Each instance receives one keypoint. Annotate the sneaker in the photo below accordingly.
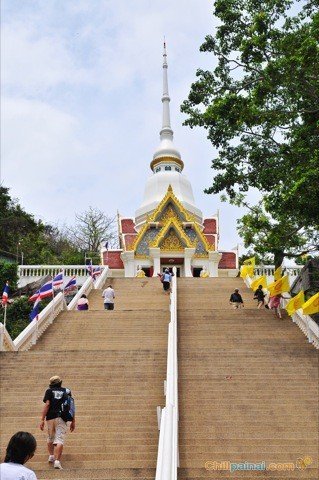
(57, 464)
(51, 459)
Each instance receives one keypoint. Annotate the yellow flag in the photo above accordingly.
(280, 286)
(295, 303)
(311, 305)
(277, 274)
(250, 261)
(259, 281)
(243, 271)
(246, 270)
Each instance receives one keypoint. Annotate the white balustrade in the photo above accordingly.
(35, 329)
(269, 270)
(31, 273)
(168, 457)
(306, 324)
(6, 343)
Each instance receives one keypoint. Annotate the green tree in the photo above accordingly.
(260, 107)
(40, 243)
(15, 224)
(8, 273)
(282, 238)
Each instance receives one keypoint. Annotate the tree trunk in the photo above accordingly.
(279, 256)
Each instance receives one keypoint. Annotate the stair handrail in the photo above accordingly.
(168, 456)
(306, 324)
(35, 329)
(6, 342)
(99, 282)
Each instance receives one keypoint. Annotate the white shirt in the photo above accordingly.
(16, 471)
(167, 277)
(108, 295)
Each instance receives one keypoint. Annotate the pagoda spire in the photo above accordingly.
(166, 150)
(166, 131)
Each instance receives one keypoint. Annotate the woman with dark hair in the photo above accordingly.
(20, 449)
(83, 303)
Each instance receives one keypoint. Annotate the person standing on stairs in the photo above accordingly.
(259, 296)
(57, 426)
(83, 303)
(20, 449)
(108, 295)
(167, 278)
(236, 299)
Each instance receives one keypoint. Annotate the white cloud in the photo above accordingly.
(82, 107)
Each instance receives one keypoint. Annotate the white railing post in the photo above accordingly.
(167, 456)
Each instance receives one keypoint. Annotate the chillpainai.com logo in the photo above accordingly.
(300, 464)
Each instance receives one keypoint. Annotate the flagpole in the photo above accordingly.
(52, 308)
(5, 316)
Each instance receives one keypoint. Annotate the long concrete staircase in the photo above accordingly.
(248, 386)
(115, 364)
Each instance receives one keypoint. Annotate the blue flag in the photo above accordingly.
(35, 311)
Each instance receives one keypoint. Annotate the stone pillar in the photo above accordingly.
(213, 261)
(188, 255)
(129, 263)
(155, 254)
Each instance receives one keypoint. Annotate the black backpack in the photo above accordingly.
(67, 407)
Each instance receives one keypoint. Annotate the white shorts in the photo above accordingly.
(56, 430)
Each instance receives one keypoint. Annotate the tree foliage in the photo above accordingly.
(91, 229)
(43, 243)
(280, 238)
(260, 107)
(8, 273)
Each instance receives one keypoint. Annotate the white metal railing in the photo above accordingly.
(168, 457)
(31, 273)
(306, 324)
(35, 329)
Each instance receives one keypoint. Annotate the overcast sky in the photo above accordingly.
(81, 106)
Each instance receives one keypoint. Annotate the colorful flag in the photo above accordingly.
(246, 270)
(295, 303)
(312, 305)
(35, 311)
(58, 279)
(96, 272)
(250, 261)
(45, 291)
(5, 294)
(280, 286)
(90, 269)
(71, 284)
(259, 281)
(106, 245)
(277, 273)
